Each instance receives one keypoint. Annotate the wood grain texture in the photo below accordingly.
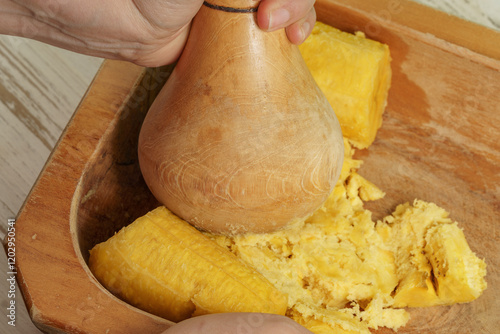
(231, 143)
(41, 86)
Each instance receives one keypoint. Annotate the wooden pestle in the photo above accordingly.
(240, 138)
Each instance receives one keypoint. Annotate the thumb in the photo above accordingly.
(238, 323)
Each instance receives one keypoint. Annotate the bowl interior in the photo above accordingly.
(438, 143)
(112, 191)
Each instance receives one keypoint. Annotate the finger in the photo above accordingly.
(230, 323)
(277, 14)
(298, 32)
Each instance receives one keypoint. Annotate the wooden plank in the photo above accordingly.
(484, 12)
(48, 268)
(40, 87)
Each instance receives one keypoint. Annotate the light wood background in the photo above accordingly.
(41, 86)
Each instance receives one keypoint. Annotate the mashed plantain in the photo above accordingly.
(345, 273)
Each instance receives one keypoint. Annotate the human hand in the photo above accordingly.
(145, 32)
(238, 323)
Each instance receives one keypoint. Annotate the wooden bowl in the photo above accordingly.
(439, 142)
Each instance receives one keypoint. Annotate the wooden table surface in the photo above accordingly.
(41, 86)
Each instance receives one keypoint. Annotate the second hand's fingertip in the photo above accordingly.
(298, 33)
(278, 19)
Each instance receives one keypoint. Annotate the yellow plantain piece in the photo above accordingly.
(435, 264)
(459, 273)
(165, 266)
(354, 73)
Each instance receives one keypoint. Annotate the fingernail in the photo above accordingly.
(304, 29)
(278, 18)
